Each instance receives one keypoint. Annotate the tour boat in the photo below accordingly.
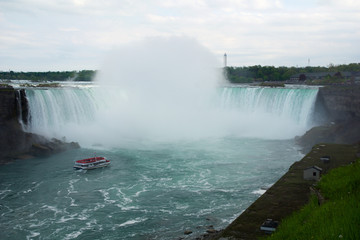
(91, 163)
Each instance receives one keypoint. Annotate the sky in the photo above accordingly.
(58, 35)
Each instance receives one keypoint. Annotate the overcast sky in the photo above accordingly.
(42, 35)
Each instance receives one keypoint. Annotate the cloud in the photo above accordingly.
(69, 29)
(79, 2)
(276, 32)
(347, 4)
(160, 19)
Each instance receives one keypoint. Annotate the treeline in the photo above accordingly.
(84, 75)
(271, 73)
(249, 74)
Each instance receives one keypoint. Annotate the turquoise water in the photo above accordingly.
(178, 163)
(153, 191)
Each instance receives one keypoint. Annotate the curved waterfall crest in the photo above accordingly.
(80, 114)
(296, 104)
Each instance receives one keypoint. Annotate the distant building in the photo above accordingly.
(356, 76)
(312, 173)
(321, 75)
(225, 60)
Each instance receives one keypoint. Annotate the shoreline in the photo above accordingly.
(289, 194)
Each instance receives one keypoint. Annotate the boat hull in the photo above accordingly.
(91, 167)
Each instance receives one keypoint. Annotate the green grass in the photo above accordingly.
(337, 218)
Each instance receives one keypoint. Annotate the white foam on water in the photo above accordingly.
(4, 193)
(259, 191)
(71, 188)
(106, 196)
(131, 222)
(67, 218)
(32, 235)
(27, 191)
(73, 235)
(89, 225)
(137, 194)
(181, 206)
(53, 209)
(38, 224)
(72, 203)
(125, 208)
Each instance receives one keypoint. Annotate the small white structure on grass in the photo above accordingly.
(312, 173)
(325, 159)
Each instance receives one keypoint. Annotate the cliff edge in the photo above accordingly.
(15, 143)
(342, 102)
(339, 108)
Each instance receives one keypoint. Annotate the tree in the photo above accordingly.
(302, 77)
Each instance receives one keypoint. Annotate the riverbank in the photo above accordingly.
(290, 193)
(333, 209)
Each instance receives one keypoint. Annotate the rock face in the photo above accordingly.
(7, 104)
(14, 142)
(346, 132)
(342, 103)
(338, 108)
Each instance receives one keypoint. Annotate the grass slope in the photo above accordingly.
(337, 218)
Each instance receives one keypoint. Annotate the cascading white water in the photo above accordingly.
(272, 113)
(93, 115)
(54, 112)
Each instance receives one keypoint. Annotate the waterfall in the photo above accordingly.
(295, 104)
(90, 114)
(54, 111)
(271, 113)
(21, 107)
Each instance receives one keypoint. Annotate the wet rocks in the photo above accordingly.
(188, 232)
(50, 147)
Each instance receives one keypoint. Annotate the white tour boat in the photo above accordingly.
(91, 163)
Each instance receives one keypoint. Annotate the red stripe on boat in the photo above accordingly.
(90, 160)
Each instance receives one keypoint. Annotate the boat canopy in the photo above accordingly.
(91, 160)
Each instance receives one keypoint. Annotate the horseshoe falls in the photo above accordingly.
(94, 115)
(178, 161)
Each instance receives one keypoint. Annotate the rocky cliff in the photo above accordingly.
(14, 142)
(342, 102)
(338, 109)
(7, 104)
